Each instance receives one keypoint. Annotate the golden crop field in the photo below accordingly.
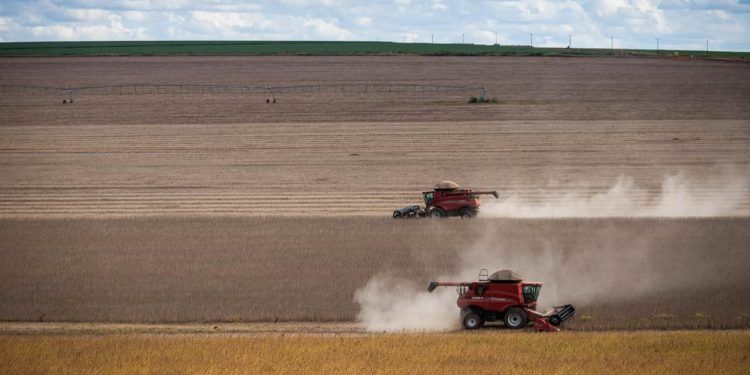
(635, 352)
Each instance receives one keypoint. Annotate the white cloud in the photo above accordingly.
(112, 31)
(6, 24)
(438, 5)
(313, 3)
(230, 23)
(327, 30)
(135, 16)
(634, 23)
(607, 8)
(363, 21)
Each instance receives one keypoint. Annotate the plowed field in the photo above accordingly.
(568, 137)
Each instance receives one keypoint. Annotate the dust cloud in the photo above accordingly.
(583, 267)
(596, 270)
(605, 267)
(390, 304)
(677, 197)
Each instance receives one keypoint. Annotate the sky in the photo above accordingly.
(678, 24)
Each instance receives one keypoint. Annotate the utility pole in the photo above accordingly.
(657, 45)
(531, 39)
(570, 40)
(706, 46)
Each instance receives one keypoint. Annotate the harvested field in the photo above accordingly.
(154, 207)
(220, 328)
(356, 168)
(620, 273)
(634, 352)
(562, 126)
(527, 88)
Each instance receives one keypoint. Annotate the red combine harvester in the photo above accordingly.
(447, 199)
(504, 296)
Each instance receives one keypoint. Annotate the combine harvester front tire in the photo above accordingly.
(472, 320)
(516, 318)
(437, 213)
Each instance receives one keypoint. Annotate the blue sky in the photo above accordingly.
(679, 24)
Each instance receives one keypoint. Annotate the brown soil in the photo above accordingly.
(562, 126)
(527, 88)
(349, 168)
(306, 155)
(620, 274)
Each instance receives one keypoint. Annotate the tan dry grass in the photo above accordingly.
(564, 353)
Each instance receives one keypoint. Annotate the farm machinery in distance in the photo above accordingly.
(446, 199)
(504, 296)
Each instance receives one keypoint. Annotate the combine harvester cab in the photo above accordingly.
(445, 200)
(504, 296)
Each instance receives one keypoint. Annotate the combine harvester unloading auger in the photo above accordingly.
(504, 296)
(446, 199)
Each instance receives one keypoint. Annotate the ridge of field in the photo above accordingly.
(130, 48)
(562, 353)
(670, 273)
